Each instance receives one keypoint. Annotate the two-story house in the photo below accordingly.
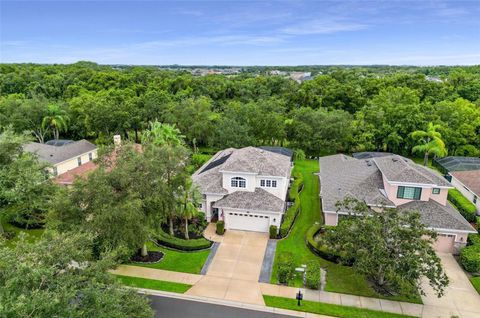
(392, 181)
(246, 187)
(67, 158)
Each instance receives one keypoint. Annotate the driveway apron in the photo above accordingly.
(235, 269)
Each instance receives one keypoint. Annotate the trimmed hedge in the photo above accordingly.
(167, 240)
(220, 227)
(466, 208)
(285, 268)
(312, 280)
(470, 255)
(273, 231)
(292, 212)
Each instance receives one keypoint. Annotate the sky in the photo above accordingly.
(240, 33)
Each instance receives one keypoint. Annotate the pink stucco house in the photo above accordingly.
(395, 182)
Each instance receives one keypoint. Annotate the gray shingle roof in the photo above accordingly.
(342, 176)
(259, 200)
(400, 169)
(249, 159)
(57, 154)
(437, 216)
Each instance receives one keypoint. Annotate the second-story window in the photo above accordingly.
(238, 182)
(411, 193)
(265, 183)
(435, 191)
(79, 161)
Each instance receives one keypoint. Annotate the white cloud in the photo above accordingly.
(324, 26)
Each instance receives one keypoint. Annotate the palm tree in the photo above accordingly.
(163, 134)
(189, 198)
(55, 120)
(430, 142)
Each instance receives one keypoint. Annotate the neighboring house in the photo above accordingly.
(67, 158)
(468, 183)
(456, 163)
(245, 187)
(393, 181)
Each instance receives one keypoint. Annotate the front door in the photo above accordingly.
(214, 217)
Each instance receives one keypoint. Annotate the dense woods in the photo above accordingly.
(342, 109)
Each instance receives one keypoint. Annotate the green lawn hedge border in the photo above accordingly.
(291, 214)
(320, 249)
(167, 240)
(470, 255)
(466, 208)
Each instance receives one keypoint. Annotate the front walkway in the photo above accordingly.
(460, 298)
(234, 271)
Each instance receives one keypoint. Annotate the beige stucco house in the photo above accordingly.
(65, 156)
(246, 187)
(468, 183)
(395, 182)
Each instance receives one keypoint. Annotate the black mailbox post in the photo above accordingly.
(299, 297)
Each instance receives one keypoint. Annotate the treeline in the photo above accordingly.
(343, 109)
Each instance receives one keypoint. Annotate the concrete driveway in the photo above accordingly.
(460, 298)
(235, 269)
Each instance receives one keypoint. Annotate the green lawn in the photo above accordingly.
(187, 262)
(153, 284)
(30, 235)
(340, 279)
(327, 309)
(476, 283)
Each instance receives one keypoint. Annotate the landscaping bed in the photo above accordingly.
(151, 257)
(165, 239)
(327, 309)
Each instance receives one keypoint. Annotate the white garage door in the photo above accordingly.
(247, 222)
(444, 243)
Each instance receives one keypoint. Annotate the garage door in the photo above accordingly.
(444, 243)
(247, 222)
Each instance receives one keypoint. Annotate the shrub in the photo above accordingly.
(474, 239)
(470, 258)
(292, 212)
(273, 231)
(319, 246)
(466, 208)
(166, 239)
(285, 268)
(313, 275)
(220, 227)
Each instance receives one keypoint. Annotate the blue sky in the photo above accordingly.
(241, 32)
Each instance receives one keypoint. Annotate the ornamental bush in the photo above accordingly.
(292, 212)
(220, 227)
(466, 208)
(312, 280)
(470, 258)
(285, 268)
(167, 240)
(273, 231)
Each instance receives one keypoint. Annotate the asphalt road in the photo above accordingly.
(180, 308)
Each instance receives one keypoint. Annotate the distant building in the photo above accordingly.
(300, 77)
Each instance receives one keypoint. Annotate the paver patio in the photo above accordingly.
(235, 269)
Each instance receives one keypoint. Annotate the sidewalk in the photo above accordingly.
(157, 274)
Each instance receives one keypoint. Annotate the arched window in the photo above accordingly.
(238, 182)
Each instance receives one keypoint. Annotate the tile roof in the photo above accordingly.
(437, 216)
(68, 177)
(56, 154)
(259, 200)
(400, 169)
(471, 179)
(342, 176)
(249, 159)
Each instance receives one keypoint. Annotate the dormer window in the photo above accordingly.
(238, 182)
(436, 191)
(410, 193)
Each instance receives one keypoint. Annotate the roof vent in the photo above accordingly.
(394, 159)
(369, 163)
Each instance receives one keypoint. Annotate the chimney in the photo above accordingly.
(117, 140)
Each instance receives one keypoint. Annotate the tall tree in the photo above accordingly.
(430, 142)
(58, 277)
(55, 120)
(393, 249)
(189, 197)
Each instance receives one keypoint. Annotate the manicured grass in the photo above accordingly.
(186, 262)
(30, 235)
(327, 309)
(476, 283)
(153, 284)
(340, 279)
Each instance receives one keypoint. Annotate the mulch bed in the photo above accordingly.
(152, 257)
